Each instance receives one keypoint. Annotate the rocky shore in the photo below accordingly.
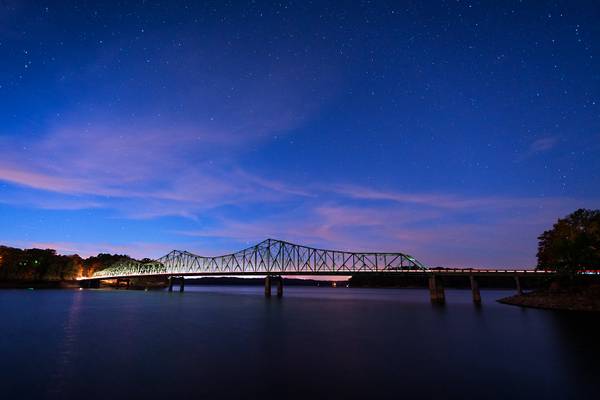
(570, 299)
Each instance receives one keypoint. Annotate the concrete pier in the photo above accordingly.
(267, 286)
(436, 290)
(475, 290)
(280, 286)
(173, 280)
(518, 283)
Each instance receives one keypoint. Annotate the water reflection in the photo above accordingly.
(231, 342)
(62, 373)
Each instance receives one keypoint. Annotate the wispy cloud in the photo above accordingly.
(166, 173)
(538, 147)
(543, 144)
(443, 201)
(44, 181)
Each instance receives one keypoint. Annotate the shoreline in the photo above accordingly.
(39, 284)
(585, 299)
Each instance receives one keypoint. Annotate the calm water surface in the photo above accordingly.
(231, 342)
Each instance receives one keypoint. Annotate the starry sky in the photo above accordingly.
(455, 131)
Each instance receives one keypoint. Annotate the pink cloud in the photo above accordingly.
(40, 180)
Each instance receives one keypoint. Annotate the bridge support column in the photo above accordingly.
(436, 289)
(280, 286)
(267, 286)
(475, 290)
(181, 284)
(518, 283)
(170, 284)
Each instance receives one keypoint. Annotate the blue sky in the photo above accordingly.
(454, 131)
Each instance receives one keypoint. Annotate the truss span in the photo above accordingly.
(269, 257)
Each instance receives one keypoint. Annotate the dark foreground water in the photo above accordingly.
(231, 342)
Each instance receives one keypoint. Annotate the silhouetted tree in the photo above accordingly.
(30, 265)
(101, 261)
(572, 244)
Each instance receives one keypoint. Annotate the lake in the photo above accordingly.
(230, 342)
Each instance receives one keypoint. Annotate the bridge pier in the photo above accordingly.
(518, 284)
(436, 290)
(280, 286)
(181, 281)
(269, 282)
(475, 290)
(267, 286)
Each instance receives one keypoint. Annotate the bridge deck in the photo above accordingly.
(445, 272)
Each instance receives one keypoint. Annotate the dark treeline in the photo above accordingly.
(37, 265)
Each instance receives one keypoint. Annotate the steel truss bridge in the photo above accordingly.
(274, 259)
(269, 257)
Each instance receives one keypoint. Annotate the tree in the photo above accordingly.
(101, 261)
(572, 244)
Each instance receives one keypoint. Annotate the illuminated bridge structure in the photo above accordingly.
(269, 257)
(276, 258)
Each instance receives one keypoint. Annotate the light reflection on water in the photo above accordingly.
(59, 377)
(231, 342)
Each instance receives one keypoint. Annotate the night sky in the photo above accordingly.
(455, 131)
